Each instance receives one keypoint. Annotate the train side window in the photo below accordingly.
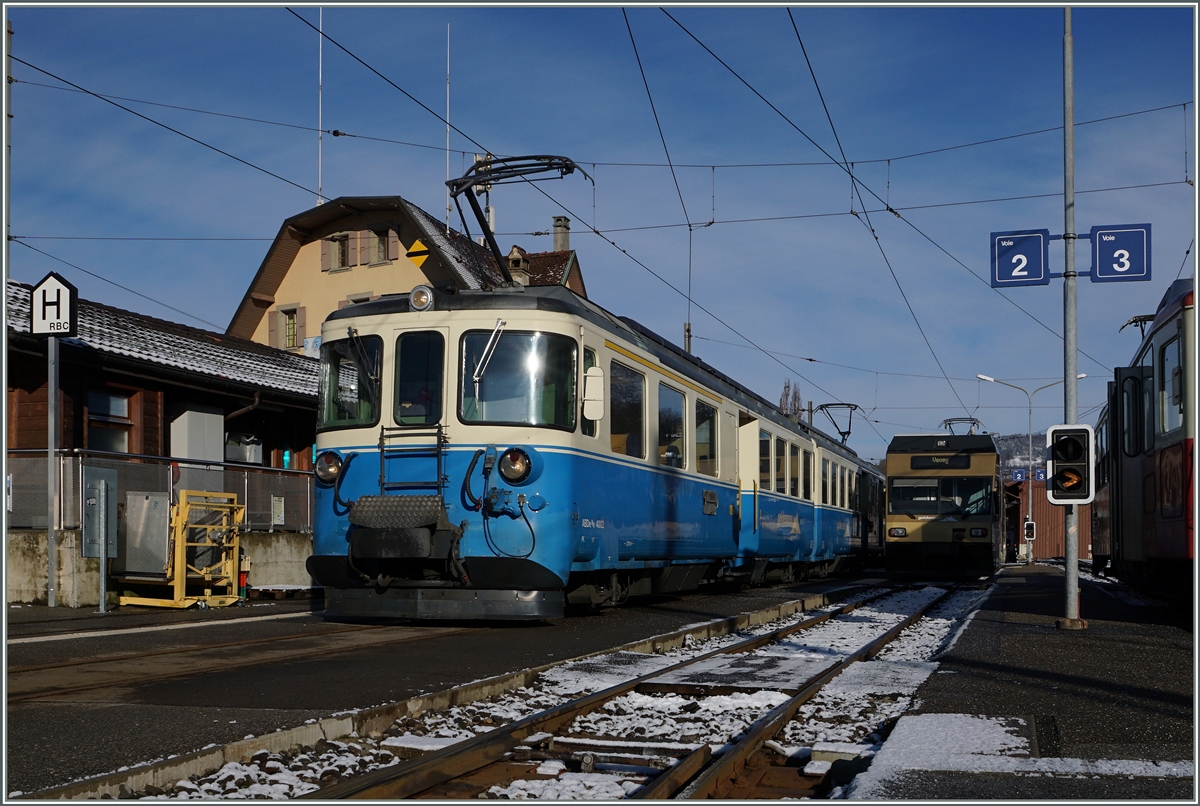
(808, 475)
(1170, 387)
(794, 471)
(627, 394)
(706, 439)
(671, 404)
(780, 466)
(824, 481)
(587, 426)
(419, 364)
(1131, 431)
(1148, 400)
(764, 461)
(842, 486)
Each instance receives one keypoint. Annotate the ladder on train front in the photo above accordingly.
(417, 444)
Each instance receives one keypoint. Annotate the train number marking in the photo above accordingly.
(588, 523)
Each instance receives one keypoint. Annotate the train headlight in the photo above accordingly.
(977, 532)
(515, 465)
(421, 298)
(899, 531)
(327, 467)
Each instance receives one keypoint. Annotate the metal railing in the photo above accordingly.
(275, 499)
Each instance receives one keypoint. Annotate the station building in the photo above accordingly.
(358, 248)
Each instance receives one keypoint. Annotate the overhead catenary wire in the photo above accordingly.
(858, 369)
(687, 329)
(165, 126)
(570, 212)
(118, 285)
(442, 148)
(286, 180)
(867, 221)
(607, 230)
(875, 195)
(1186, 252)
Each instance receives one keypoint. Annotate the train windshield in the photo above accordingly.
(523, 379)
(971, 495)
(349, 386)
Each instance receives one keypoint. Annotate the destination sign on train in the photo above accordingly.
(1020, 257)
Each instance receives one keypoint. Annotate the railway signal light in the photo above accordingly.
(1069, 478)
(1030, 530)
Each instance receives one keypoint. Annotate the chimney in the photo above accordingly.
(562, 233)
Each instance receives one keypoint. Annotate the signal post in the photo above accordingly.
(1120, 253)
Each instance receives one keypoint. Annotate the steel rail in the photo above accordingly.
(439, 766)
(713, 780)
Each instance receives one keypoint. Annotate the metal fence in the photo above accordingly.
(275, 499)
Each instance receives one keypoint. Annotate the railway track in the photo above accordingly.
(652, 736)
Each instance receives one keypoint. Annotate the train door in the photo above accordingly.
(1128, 447)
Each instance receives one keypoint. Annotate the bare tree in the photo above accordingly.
(790, 402)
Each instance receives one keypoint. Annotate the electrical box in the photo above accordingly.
(99, 513)
(145, 549)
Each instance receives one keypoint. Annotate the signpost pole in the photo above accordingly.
(1070, 323)
(51, 466)
(52, 314)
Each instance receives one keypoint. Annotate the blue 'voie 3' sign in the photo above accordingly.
(1020, 257)
(1120, 252)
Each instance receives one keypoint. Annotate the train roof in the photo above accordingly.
(560, 299)
(942, 443)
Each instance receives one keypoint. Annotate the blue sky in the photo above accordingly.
(804, 279)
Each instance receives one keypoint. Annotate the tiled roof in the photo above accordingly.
(168, 344)
(548, 268)
(471, 263)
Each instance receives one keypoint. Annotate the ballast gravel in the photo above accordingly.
(857, 708)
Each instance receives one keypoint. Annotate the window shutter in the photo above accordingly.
(273, 328)
(351, 248)
(393, 245)
(325, 244)
(364, 247)
(300, 326)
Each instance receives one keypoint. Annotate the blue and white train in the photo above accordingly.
(498, 454)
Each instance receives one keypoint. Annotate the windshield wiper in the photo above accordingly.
(363, 359)
(488, 351)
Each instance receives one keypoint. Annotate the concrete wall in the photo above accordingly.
(277, 558)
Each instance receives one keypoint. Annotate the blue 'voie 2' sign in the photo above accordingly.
(1020, 257)
(1120, 252)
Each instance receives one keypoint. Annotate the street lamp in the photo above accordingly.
(1029, 395)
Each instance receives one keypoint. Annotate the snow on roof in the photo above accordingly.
(169, 344)
(472, 265)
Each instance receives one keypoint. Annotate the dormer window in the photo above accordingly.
(518, 265)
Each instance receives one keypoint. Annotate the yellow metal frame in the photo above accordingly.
(202, 522)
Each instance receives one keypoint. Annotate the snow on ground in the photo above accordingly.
(978, 744)
(860, 705)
